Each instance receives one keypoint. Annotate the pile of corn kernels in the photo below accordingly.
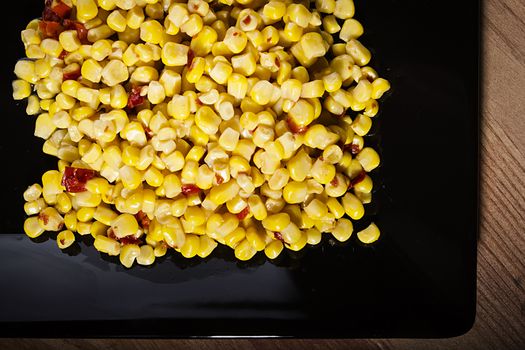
(185, 124)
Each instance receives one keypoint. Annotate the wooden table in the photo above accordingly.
(500, 322)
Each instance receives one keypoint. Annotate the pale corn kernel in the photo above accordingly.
(351, 29)
(202, 43)
(245, 250)
(369, 234)
(229, 139)
(25, 69)
(174, 54)
(244, 64)
(114, 72)
(32, 227)
(50, 219)
(191, 246)
(343, 230)
(128, 254)
(21, 89)
(353, 206)
(207, 120)
(220, 72)
(358, 52)
(117, 21)
(379, 87)
(312, 89)
(262, 92)
(368, 158)
(361, 125)
(295, 192)
(344, 9)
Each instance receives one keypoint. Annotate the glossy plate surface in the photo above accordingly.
(417, 281)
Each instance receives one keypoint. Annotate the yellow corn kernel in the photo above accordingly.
(206, 246)
(229, 139)
(343, 230)
(244, 64)
(262, 92)
(235, 237)
(295, 192)
(25, 69)
(353, 206)
(21, 89)
(103, 214)
(368, 158)
(322, 172)
(292, 32)
(50, 219)
(220, 72)
(134, 17)
(117, 21)
(361, 125)
(316, 209)
(175, 161)
(369, 235)
(300, 243)
(257, 207)
(70, 220)
(63, 203)
(92, 154)
(273, 249)
(128, 254)
(276, 222)
(114, 72)
(202, 43)
(335, 207)
(256, 238)
(279, 179)
(313, 236)
(101, 49)
(207, 120)
(344, 9)
(299, 166)
(124, 225)
(85, 214)
(224, 192)
(51, 47)
(86, 10)
(313, 89)
(151, 31)
(131, 178)
(351, 29)
(146, 255)
(32, 227)
(358, 52)
(174, 54)
(107, 245)
(244, 250)
(91, 70)
(32, 193)
(235, 40)
(65, 239)
(33, 105)
(302, 113)
(332, 82)
(191, 246)
(153, 177)
(379, 87)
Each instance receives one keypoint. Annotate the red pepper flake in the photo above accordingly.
(191, 56)
(111, 234)
(135, 99)
(61, 9)
(149, 133)
(63, 54)
(74, 179)
(129, 240)
(235, 33)
(219, 179)
(190, 189)
(82, 32)
(143, 219)
(360, 177)
(71, 74)
(50, 29)
(44, 218)
(244, 213)
(354, 148)
(60, 226)
(296, 129)
(279, 236)
(334, 182)
(247, 20)
(62, 241)
(277, 62)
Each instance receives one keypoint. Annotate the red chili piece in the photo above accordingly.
(61, 9)
(219, 179)
(74, 179)
(134, 98)
(143, 219)
(360, 177)
(334, 182)
(190, 189)
(191, 56)
(44, 218)
(279, 236)
(296, 129)
(70, 74)
(149, 133)
(82, 32)
(244, 213)
(247, 20)
(50, 29)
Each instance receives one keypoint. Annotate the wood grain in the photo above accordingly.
(500, 322)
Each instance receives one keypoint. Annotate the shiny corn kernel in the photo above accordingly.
(343, 230)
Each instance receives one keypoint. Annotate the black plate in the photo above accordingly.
(417, 281)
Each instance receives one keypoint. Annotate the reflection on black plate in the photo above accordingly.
(417, 281)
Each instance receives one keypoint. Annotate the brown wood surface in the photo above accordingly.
(500, 322)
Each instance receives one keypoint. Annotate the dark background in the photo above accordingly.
(417, 281)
